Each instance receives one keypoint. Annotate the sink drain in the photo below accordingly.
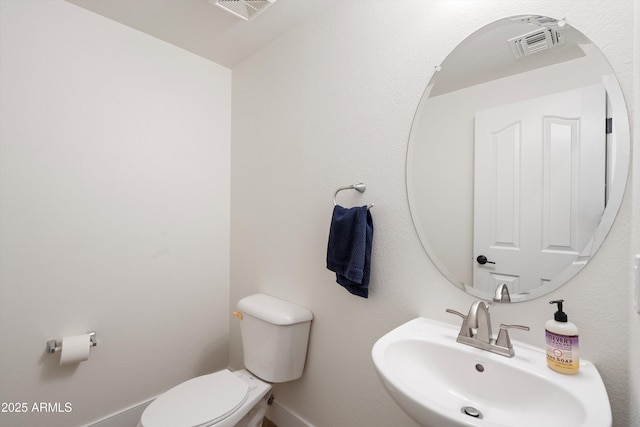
(471, 411)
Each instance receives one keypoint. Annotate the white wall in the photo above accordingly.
(114, 211)
(634, 323)
(330, 104)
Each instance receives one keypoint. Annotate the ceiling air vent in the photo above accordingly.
(536, 41)
(245, 9)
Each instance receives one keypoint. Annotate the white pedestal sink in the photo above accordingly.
(442, 383)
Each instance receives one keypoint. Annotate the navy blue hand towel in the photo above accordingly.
(349, 248)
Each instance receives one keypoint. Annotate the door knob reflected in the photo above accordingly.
(483, 260)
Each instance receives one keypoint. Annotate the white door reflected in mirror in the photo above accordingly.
(539, 186)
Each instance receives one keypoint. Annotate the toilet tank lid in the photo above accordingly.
(274, 310)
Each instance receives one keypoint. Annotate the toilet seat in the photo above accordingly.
(199, 402)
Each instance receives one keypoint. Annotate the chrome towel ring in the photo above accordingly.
(360, 187)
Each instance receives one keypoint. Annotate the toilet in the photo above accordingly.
(275, 334)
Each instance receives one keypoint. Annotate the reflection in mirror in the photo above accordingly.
(518, 158)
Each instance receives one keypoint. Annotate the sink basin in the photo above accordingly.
(442, 383)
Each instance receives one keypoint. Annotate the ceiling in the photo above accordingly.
(205, 29)
(486, 55)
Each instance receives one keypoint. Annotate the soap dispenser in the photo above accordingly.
(562, 343)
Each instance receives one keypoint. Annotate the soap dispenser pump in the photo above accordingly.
(562, 343)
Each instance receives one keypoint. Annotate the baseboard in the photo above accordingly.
(128, 417)
(284, 417)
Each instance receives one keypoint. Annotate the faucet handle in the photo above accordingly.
(503, 339)
(457, 313)
(503, 326)
(465, 330)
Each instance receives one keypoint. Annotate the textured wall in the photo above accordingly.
(331, 103)
(114, 211)
(634, 322)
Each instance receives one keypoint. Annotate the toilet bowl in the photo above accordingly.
(221, 399)
(275, 335)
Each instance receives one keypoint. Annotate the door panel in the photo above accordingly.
(539, 186)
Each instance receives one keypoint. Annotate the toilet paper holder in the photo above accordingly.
(52, 346)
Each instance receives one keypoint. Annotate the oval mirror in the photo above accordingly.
(518, 158)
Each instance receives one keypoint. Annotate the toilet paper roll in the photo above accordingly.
(75, 349)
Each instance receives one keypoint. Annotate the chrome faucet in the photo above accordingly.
(476, 330)
(479, 319)
(502, 294)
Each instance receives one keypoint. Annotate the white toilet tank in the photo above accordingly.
(275, 334)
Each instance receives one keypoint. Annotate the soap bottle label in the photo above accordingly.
(562, 351)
